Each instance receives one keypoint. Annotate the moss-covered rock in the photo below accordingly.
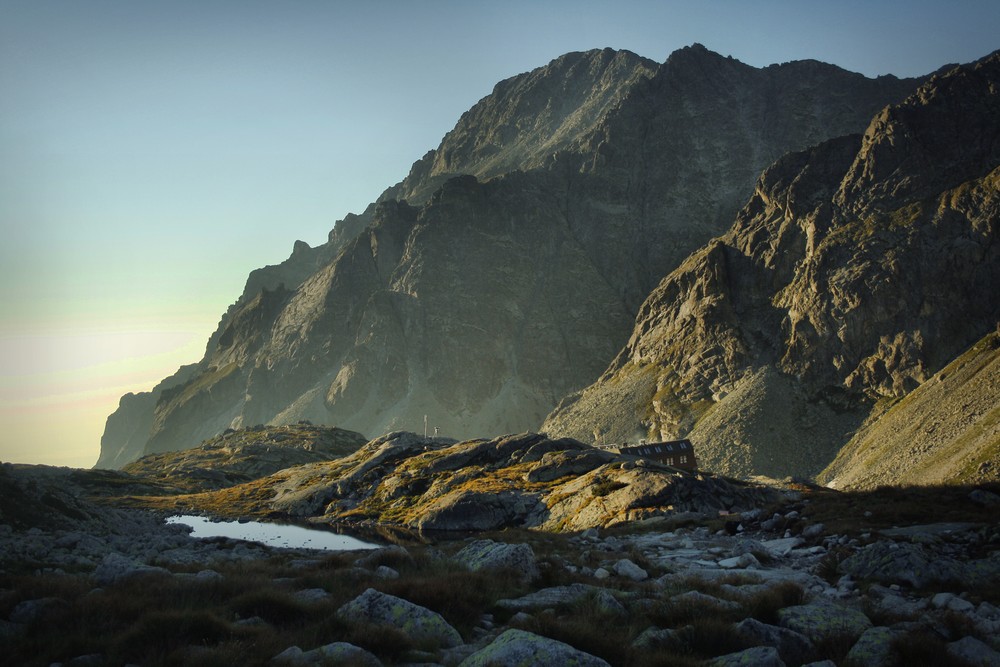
(490, 555)
(423, 626)
(824, 621)
(517, 648)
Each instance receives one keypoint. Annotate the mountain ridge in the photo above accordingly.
(824, 296)
(486, 303)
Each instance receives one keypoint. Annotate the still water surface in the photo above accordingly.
(271, 534)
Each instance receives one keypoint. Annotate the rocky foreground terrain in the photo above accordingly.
(405, 481)
(708, 571)
(242, 455)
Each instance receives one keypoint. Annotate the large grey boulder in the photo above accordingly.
(490, 555)
(550, 597)
(918, 565)
(873, 648)
(629, 570)
(974, 652)
(793, 647)
(517, 648)
(821, 621)
(892, 562)
(418, 623)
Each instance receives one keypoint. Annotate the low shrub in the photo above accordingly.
(764, 606)
(603, 635)
(159, 633)
(922, 649)
(437, 591)
(274, 606)
(710, 636)
(604, 486)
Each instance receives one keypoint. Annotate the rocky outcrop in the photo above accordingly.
(858, 269)
(128, 428)
(404, 480)
(506, 269)
(239, 456)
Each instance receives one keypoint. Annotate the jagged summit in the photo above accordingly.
(529, 118)
(858, 269)
(506, 270)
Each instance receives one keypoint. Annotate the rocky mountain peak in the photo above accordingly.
(942, 135)
(528, 118)
(504, 272)
(857, 269)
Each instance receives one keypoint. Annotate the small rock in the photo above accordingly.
(701, 600)
(628, 569)
(988, 612)
(520, 618)
(609, 604)
(601, 573)
(386, 572)
(758, 656)
(310, 595)
(660, 638)
(741, 561)
(952, 602)
(290, 656)
(891, 601)
(782, 546)
(550, 597)
(339, 653)
(814, 530)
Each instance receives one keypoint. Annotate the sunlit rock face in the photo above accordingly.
(505, 270)
(857, 270)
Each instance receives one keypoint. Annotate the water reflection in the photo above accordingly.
(271, 534)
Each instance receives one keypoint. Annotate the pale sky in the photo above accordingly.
(153, 153)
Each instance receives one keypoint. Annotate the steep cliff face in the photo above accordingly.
(856, 271)
(505, 270)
